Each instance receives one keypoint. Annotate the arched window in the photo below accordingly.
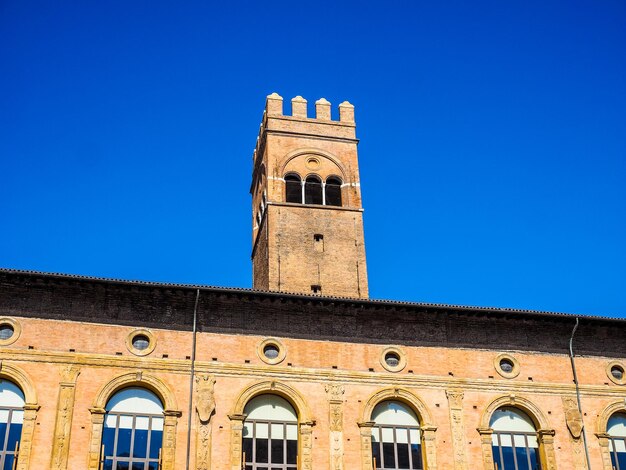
(293, 191)
(270, 434)
(396, 437)
(333, 191)
(616, 429)
(514, 440)
(313, 190)
(133, 430)
(11, 419)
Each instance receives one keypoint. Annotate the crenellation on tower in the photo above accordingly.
(322, 109)
(298, 107)
(305, 188)
(346, 112)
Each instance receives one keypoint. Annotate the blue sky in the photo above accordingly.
(493, 140)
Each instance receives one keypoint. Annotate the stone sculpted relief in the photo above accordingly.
(205, 407)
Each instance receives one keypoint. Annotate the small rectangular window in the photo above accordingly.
(316, 289)
(318, 237)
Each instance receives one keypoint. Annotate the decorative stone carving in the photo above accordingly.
(63, 423)
(205, 402)
(205, 406)
(455, 404)
(335, 398)
(573, 418)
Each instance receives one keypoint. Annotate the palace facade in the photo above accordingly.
(303, 371)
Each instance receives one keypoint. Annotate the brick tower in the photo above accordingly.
(307, 221)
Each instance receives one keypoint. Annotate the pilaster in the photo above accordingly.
(64, 415)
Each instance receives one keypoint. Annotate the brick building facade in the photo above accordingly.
(304, 371)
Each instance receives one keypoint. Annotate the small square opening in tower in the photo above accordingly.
(316, 288)
(318, 237)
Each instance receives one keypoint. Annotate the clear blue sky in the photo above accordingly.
(493, 140)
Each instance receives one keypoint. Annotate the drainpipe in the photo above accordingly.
(580, 410)
(191, 377)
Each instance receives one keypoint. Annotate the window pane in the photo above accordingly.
(376, 454)
(277, 450)
(292, 432)
(122, 466)
(403, 456)
(8, 462)
(153, 466)
(496, 457)
(534, 459)
(522, 458)
(292, 451)
(621, 458)
(141, 443)
(156, 441)
(509, 462)
(247, 449)
(294, 192)
(138, 466)
(123, 443)
(333, 194)
(108, 464)
(416, 455)
(261, 430)
(389, 458)
(15, 432)
(108, 438)
(312, 192)
(3, 433)
(261, 451)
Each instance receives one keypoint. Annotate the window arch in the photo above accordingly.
(270, 434)
(132, 435)
(293, 188)
(313, 193)
(12, 403)
(616, 431)
(396, 437)
(333, 191)
(514, 440)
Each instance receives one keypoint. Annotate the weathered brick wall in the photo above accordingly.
(248, 312)
(84, 323)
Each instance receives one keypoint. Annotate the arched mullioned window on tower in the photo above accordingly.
(396, 437)
(133, 430)
(11, 419)
(293, 188)
(313, 190)
(270, 434)
(333, 191)
(616, 429)
(514, 440)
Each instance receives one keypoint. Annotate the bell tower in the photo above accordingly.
(307, 217)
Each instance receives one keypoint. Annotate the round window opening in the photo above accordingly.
(392, 359)
(141, 342)
(506, 365)
(271, 351)
(617, 372)
(6, 331)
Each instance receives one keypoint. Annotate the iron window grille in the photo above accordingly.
(393, 454)
(276, 451)
(515, 457)
(137, 447)
(10, 436)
